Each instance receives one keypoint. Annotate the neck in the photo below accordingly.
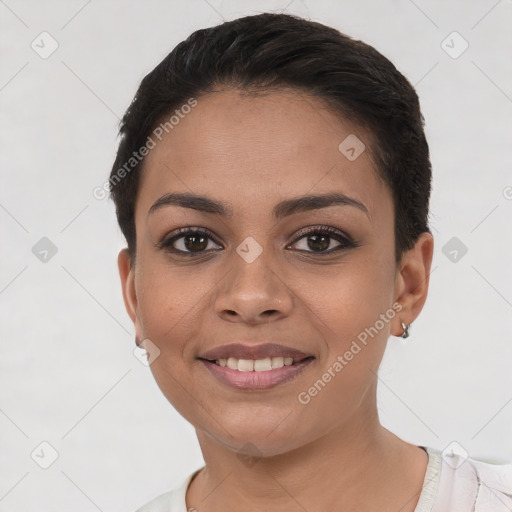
(336, 470)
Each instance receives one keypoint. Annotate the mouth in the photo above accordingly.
(257, 367)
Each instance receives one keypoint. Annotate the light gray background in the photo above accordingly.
(68, 373)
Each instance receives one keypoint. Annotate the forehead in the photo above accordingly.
(241, 146)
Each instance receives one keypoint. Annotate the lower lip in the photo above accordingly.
(255, 380)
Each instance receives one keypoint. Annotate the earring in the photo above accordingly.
(405, 334)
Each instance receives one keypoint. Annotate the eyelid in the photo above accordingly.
(167, 240)
(339, 235)
(344, 239)
(323, 229)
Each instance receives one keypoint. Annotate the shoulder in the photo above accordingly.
(161, 503)
(171, 501)
(493, 484)
(467, 484)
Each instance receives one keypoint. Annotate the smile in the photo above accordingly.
(256, 365)
(255, 374)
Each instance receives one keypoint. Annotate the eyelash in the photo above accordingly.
(345, 241)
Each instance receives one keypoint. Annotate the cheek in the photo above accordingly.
(167, 306)
(353, 313)
(351, 297)
(166, 296)
(169, 302)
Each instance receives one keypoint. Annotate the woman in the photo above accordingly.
(272, 182)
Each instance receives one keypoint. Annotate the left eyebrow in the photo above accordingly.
(281, 210)
(308, 203)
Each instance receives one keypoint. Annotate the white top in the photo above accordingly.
(451, 484)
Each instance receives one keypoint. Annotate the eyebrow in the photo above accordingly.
(283, 209)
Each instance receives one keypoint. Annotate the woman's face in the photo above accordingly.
(258, 277)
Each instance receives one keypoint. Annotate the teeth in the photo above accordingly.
(277, 362)
(246, 365)
(232, 363)
(261, 365)
(258, 365)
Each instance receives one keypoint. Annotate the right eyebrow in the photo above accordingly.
(195, 202)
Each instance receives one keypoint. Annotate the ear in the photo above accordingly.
(127, 274)
(412, 282)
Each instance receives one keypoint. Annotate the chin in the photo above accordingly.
(257, 437)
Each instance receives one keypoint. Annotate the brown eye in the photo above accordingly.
(318, 240)
(189, 241)
(195, 242)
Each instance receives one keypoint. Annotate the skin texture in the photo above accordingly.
(252, 153)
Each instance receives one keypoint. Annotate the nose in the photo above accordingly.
(253, 292)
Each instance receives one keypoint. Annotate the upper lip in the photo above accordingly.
(261, 351)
